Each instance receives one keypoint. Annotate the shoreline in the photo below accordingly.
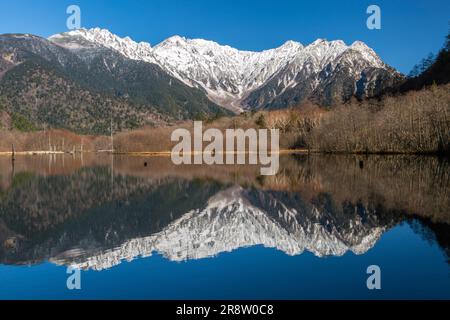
(130, 153)
(30, 153)
(168, 153)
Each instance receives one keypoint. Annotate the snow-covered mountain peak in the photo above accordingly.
(228, 75)
(323, 47)
(368, 54)
(292, 44)
(174, 40)
(360, 45)
(314, 58)
(98, 38)
(318, 41)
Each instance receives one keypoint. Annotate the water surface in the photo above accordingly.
(143, 228)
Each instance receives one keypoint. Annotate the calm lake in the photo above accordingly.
(142, 228)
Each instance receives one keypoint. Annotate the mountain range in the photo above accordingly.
(81, 79)
(250, 80)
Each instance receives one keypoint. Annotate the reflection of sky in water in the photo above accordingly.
(238, 236)
(411, 268)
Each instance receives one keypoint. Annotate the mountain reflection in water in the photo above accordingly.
(95, 211)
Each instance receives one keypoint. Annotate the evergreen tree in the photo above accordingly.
(414, 71)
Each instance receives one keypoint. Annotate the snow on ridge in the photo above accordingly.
(228, 75)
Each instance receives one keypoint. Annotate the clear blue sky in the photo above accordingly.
(410, 29)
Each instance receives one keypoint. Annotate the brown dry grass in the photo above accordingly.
(417, 122)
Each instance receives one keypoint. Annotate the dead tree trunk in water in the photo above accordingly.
(13, 158)
(112, 137)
